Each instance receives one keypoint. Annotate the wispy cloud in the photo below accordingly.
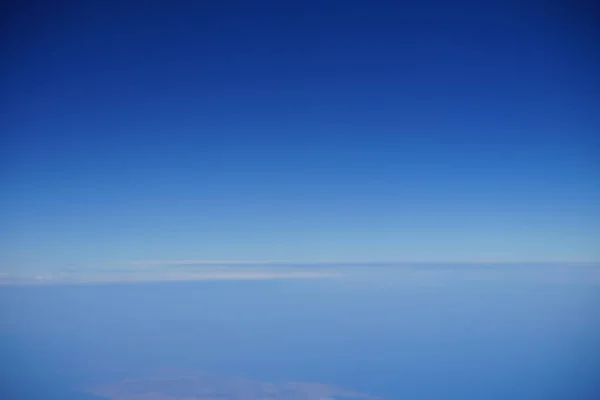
(96, 278)
(155, 263)
(235, 263)
(389, 274)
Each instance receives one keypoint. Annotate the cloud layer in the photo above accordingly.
(161, 277)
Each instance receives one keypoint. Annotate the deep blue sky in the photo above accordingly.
(329, 130)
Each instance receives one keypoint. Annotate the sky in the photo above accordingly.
(298, 131)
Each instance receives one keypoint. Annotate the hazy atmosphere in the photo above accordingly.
(310, 200)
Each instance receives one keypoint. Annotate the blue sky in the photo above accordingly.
(299, 132)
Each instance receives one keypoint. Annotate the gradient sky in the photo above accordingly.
(275, 130)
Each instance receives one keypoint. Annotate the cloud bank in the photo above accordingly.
(128, 277)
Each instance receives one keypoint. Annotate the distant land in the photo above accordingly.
(197, 385)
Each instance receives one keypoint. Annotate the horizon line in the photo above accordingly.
(143, 263)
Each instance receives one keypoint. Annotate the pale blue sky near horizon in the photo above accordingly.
(301, 132)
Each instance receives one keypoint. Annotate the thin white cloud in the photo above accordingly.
(199, 262)
(106, 278)
(233, 263)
